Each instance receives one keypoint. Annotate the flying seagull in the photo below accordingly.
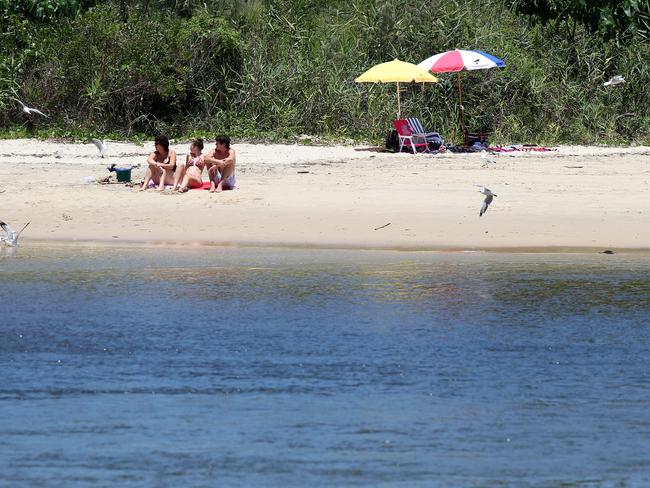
(29, 110)
(489, 196)
(487, 160)
(614, 80)
(11, 236)
(101, 147)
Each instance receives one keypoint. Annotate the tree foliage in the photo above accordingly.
(623, 20)
(94, 71)
(278, 68)
(44, 10)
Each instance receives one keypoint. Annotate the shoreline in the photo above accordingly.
(82, 243)
(571, 199)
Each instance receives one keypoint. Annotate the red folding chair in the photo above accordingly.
(406, 136)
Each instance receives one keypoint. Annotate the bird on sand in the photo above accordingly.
(487, 160)
(101, 147)
(29, 110)
(11, 236)
(489, 196)
(614, 80)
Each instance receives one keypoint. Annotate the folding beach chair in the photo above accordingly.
(433, 138)
(406, 136)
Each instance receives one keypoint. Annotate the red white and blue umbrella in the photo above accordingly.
(458, 60)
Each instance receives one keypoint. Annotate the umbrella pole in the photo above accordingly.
(399, 111)
(462, 110)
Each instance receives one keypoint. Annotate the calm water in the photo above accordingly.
(224, 367)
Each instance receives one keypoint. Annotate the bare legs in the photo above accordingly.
(213, 173)
(167, 179)
(218, 173)
(191, 179)
(159, 176)
(178, 176)
(152, 174)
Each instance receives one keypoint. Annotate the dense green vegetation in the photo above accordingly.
(275, 69)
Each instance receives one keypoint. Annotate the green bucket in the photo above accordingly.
(123, 174)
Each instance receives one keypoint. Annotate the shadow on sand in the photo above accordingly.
(375, 149)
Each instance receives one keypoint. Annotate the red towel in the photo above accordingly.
(204, 186)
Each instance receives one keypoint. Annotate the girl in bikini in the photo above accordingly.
(193, 169)
(162, 164)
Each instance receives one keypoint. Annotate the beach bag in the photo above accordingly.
(392, 141)
(435, 141)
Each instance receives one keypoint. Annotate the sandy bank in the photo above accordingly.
(575, 197)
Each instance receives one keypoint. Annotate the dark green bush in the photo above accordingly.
(277, 68)
(43, 10)
(97, 73)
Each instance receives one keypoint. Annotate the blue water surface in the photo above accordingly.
(200, 367)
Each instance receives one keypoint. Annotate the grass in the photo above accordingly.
(274, 70)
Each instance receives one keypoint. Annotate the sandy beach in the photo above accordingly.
(337, 196)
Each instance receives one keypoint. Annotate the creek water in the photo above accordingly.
(128, 366)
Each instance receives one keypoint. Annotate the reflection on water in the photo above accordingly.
(192, 367)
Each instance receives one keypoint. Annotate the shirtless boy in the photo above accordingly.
(221, 165)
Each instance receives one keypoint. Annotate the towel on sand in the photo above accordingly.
(206, 186)
(520, 147)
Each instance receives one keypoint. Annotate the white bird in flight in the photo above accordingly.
(487, 160)
(101, 147)
(614, 80)
(11, 236)
(29, 110)
(489, 196)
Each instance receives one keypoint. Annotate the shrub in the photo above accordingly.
(97, 72)
(277, 68)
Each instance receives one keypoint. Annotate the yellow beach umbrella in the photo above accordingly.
(396, 71)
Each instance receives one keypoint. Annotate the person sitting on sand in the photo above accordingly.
(190, 172)
(221, 165)
(162, 165)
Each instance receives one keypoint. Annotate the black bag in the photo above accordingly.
(392, 141)
(435, 141)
